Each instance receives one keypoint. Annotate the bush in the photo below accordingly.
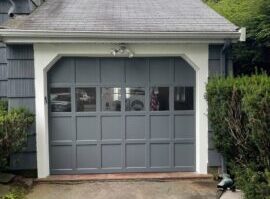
(255, 184)
(13, 131)
(3, 106)
(239, 112)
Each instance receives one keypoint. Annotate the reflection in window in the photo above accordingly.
(60, 99)
(135, 99)
(159, 99)
(111, 99)
(183, 98)
(85, 99)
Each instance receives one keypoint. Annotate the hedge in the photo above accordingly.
(14, 125)
(239, 113)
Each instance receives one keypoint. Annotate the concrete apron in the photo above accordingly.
(174, 189)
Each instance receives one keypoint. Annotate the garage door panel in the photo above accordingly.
(87, 157)
(111, 128)
(63, 71)
(111, 156)
(184, 74)
(87, 70)
(161, 71)
(159, 127)
(137, 71)
(96, 126)
(160, 155)
(61, 128)
(136, 156)
(135, 127)
(87, 128)
(112, 71)
(184, 155)
(184, 127)
(60, 161)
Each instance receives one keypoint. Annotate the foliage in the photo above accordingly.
(15, 193)
(255, 184)
(13, 131)
(3, 105)
(239, 112)
(255, 16)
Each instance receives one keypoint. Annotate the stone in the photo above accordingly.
(26, 182)
(6, 178)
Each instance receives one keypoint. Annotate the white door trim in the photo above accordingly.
(45, 55)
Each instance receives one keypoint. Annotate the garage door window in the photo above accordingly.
(60, 100)
(85, 99)
(135, 99)
(159, 99)
(111, 99)
(183, 98)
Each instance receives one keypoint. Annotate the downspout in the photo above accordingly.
(224, 57)
(11, 9)
(224, 65)
(226, 182)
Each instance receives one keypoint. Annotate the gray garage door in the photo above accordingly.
(121, 115)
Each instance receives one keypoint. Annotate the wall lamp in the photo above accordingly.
(122, 50)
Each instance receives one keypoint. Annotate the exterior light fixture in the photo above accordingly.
(122, 50)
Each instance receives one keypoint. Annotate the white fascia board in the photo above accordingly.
(34, 36)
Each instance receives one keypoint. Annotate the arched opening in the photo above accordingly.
(121, 115)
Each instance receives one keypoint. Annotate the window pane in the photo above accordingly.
(111, 99)
(183, 98)
(135, 99)
(159, 99)
(60, 100)
(85, 99)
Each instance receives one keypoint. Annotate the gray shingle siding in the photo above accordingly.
(20, 93)
(22, 6)
(3, 71)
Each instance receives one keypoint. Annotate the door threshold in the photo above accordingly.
(125, 176)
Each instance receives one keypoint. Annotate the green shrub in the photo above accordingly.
(3, 105)
(14, 125)
(239, 113)
(255, 184)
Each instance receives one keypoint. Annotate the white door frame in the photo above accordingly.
(45, 55)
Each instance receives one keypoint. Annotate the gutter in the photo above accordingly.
(44, 36)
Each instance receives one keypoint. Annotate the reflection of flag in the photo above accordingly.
(154, 104)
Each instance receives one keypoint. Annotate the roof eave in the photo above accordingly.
(43, 36)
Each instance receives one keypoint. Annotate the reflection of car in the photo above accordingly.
(61, 102)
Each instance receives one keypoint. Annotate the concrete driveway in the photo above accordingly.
(177, 189)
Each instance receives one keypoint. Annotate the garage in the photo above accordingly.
(111, 115)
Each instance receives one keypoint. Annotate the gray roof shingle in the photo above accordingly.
(124, 16)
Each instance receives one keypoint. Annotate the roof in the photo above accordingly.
(123, 16)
